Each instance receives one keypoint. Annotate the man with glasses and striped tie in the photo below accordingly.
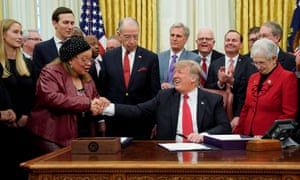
(205, 43)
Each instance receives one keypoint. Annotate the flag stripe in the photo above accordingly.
(294, 28)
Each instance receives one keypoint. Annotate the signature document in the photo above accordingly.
(179, 146)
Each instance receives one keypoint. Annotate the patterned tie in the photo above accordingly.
(204, 71)
(171, 69)
(126, 69)
(98, 66)
(187, 125)
(231, 66)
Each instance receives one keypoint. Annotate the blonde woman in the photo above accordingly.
(18, 72)
(19, 80)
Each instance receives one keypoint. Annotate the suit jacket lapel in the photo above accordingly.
(165, 64)
(119, 64)
(280, 57)
(238, 67)
(54, 49)
(201, 105)
(182, 55)
(175, 105)
(136, 64)
(93, 70)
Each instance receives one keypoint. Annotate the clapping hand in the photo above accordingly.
(225, 77)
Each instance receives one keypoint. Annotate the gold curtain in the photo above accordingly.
(1, 14)
(251, 13)
(144, 11)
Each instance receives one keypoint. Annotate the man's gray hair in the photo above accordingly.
(26, 32)
(276, 28)
(181, 25)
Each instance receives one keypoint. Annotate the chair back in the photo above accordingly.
(227, 99)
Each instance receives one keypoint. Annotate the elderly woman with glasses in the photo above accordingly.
(272, 92)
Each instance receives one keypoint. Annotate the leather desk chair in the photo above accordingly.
(227, 99)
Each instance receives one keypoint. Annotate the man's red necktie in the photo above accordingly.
(187, 124)
(126, 69)
(204, 69)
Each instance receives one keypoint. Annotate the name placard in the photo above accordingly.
(96, 145)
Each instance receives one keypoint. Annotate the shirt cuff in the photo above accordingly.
(101, 121)
(221, 87)
(203, 133)
(109, 110)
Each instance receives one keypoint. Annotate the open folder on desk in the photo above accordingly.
(212, 142)
(179, 146)
(228, 141)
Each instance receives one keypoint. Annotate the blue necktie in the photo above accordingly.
(171, 68)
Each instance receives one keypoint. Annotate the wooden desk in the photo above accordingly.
(145, 160)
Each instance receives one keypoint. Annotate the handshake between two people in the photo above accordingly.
(98, 105)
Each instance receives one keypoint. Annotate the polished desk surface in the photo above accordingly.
(148, 152)
(148, 157)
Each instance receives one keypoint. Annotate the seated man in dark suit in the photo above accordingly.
(273, 31)
(169, 106)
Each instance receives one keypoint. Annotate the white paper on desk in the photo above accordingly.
(230, 137)
(184, 146)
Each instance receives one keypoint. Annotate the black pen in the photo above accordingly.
(181, 135)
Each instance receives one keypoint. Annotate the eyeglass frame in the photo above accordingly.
(204, 39)
(34, 39)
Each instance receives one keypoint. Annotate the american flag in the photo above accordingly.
(294, 31)
(91, 22)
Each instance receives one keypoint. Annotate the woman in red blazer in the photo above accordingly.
(272, 93)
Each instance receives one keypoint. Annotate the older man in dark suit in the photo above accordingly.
(47, 51)
(131, 76)
(205, 43)
(232, 72)
(206, 112)
(273, 31)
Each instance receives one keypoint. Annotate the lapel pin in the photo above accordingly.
(269, 81)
